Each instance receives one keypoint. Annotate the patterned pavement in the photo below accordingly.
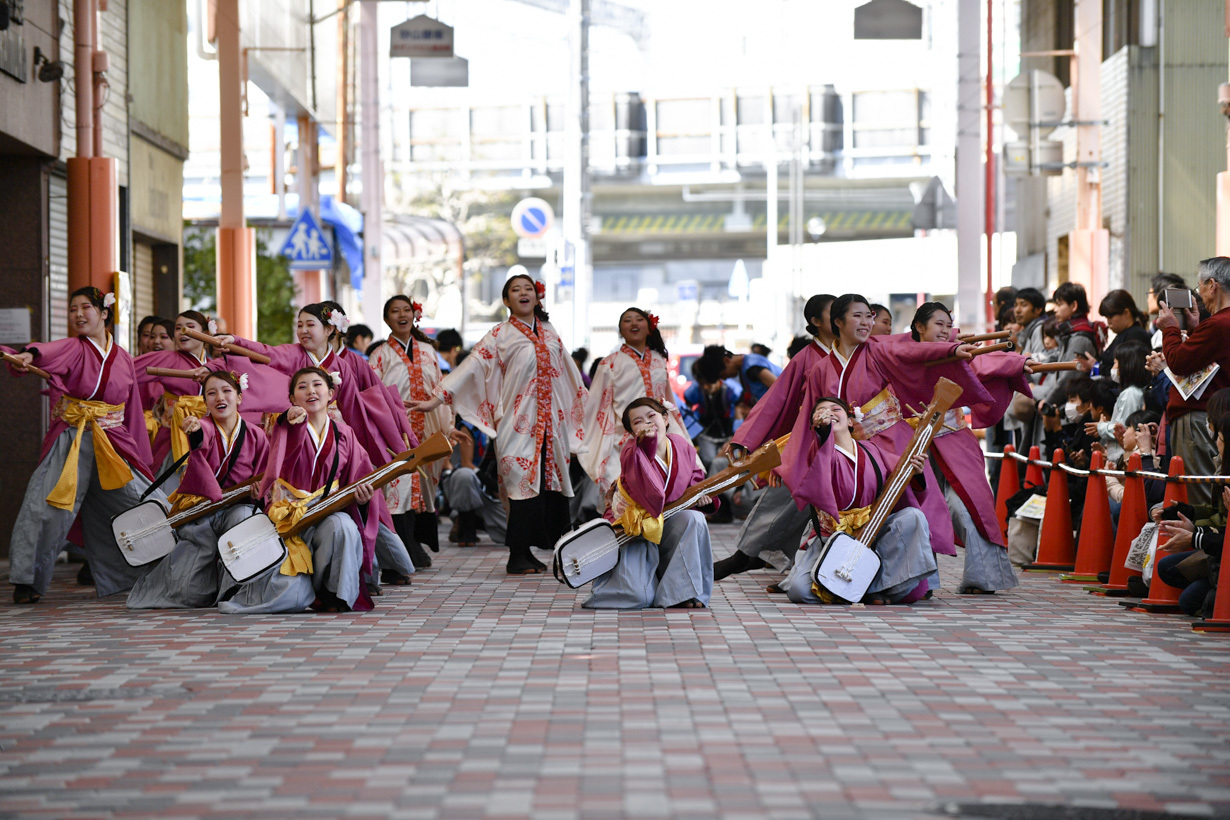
(470, 695)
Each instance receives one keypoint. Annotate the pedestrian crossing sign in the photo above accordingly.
(305, 245)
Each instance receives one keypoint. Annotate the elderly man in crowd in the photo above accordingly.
(1204, 354)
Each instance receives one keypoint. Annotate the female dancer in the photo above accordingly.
(875, 377)
(95, 457)
(362, 401)
(842, 480)
(226, 450)
(310, 457)
(635, 370)
(671, 563)
(956, 452)
(520, 385)
(407, 362)
(171, 398)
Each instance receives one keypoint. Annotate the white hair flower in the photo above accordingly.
(668, 405)
(243, 378)
(336, 375)
(213, 329)
(108, 300)
(339, 320)
(858, 414)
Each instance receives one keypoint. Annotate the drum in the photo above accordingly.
(585, 553)
(251, 547)
(846, 567)
(143, 533)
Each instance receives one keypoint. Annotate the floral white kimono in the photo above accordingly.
(622, 377)
(520, 385)
(414, 370)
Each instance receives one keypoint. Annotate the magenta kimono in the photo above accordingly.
(663, 567)
(774, 415)
(214, 465)
(884, 382)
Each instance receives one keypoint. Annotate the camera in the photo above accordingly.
(1048, 409)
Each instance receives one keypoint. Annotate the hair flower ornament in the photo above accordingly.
(418, 311)
(336, 376)
(541, 290)
(339, 320)
(109, 300)
(858, 414)
(243, 381)
(213, 327)
(653, 322)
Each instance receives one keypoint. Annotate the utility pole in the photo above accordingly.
(970, 314)
(576, 170)
(372, 203)
(236, 271)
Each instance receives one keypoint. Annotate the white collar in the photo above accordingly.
(102, 366)
(853, 460)
(666, 465)
(228, 444)
(822, 345)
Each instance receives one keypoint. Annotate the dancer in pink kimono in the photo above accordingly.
(364, 403)
(636, 369)
(958, 455)
(226, 450)
(520, 385)
(174, 398)
(842, 480)
(95, 457)
(670, 564)
(876, 377)
(407, 362)
(776, 522)
(311, 456)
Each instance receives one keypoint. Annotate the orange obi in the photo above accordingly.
(877, 415)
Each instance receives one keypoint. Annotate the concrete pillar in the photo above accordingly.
(1089, 243)
(309, 284)
(236, 242)
(373, 176)
(970, 181)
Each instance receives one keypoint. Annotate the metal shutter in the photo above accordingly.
(57, 260)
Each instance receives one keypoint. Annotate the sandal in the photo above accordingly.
(25, 594)
(522, 562)
(775, 589)
(394, 578)
(690, 603)
(876, 600)
(975, 591)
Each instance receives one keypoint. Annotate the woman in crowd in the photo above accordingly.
(95, 456)
(670, 564)
(1126, 321)
(407, 362)
(174, 398)
(961, 465)
(311, 456)
(637, 369)
(520, 386)
(841, 479)
(226, 451)
(1134, 380)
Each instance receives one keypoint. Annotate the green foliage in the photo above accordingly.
(275, 286)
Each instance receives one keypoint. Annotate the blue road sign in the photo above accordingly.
(305, 245)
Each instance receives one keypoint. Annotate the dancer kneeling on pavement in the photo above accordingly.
(843, 480)
(310, 457)
(671, 563)
(225, 451)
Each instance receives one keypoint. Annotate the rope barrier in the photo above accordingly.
(1169, 479)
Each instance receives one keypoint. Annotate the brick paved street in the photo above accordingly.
(472, 695)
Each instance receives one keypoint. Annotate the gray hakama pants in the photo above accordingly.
(465, 494)
(776, 524)
(337, 555)
(904, 547)
(41, 529)
(986, 565)
(172, 483)
(188, 577)
(391, 554)
(660, 575)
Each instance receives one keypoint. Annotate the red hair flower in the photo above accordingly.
(541, 290)
(417, 310)
(653, 322)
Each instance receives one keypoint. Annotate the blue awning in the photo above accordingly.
(347, 225)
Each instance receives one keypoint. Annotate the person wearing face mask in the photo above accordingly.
(635, 369)
(520, 386)
(1129, 372)
(225, 451)
(878, 377)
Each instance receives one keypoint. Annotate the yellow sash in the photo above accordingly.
(184, 406)
(285, 514)
(183, 501)
(847, 521)
(113, 471)
(637, 521)
(152, 425)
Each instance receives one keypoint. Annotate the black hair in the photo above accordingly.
(1005, 295)
(1103, 396)
(96, 298)
(1130, 356)
(448, 339)
(384, 314)
(148, 320)
(1219, 404)
(825, 432)
(320, 371)
(814, 309)
(759, 349)
(1050, 327)
(355, 331)
(877, 307)
(1161, 281)
(580, 356)
(1080, 386)
(1142, 417)
(841, 306)
(1033, 296)
(654, 339)
(712, 362)
(1070, 292)
(321, 311)
(643, 401)
(797, 344)
(226, 376)
(168, 325)
(539, 311)
(1221, 427)
(196, 316)
(593, 367)
(923, 315)
(1119, 300)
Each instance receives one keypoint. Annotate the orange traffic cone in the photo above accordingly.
(1097, 541)
(1009, 485)
(1220, 622)
(1132, 517)
(1162, 596)
(1033, 473)
(1056, 544)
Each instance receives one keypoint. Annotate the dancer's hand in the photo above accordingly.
(363, 493)
(296, 415)
(190, 424)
